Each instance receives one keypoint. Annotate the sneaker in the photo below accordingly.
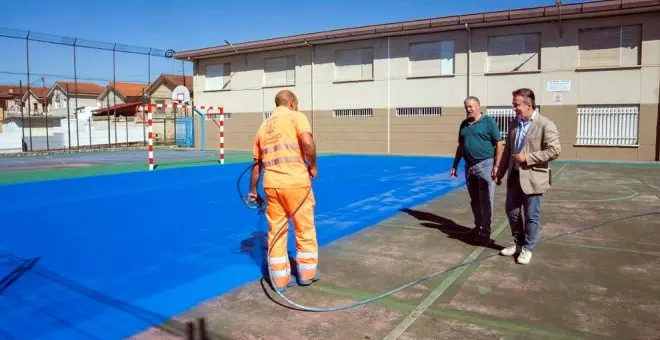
(283, 289)
(309, 282)
(525, 256)
(510, 250)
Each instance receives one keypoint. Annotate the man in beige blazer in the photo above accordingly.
(532, 142)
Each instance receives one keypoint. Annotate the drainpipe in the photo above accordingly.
(469, 59)
(389, 114)
(311, 76)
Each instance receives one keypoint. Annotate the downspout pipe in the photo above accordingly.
(312, 81)
(203, 122)
(469, 60)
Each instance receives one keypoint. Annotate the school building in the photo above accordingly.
(399, 87)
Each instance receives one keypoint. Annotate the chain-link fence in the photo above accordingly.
(59, 93)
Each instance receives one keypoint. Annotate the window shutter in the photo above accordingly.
(599, 47)
(290, 70)
(424, 58)
(511, 53)
(631, 38)
(531, 51)
(216, 76)
(447, 57)
(280, 71)
(610, 46)
(355, 64)
(367, 63)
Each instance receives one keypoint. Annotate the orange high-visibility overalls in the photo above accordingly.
(286, 181)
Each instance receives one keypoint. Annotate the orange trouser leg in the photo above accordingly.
(305, 230)
(278, 260)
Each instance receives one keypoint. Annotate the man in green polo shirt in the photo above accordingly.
(480, 145)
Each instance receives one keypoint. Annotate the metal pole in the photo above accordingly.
(389, 114)
(75, 90)
(27, 59)
(68, 114)
(144, 132)
(20, 84)
(43, 83)
(107, 100)
(114, 98)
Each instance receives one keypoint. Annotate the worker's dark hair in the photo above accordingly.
(528, 96)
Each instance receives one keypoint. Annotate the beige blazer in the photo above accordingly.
(541, 145)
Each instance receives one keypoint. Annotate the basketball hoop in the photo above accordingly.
(180, 94)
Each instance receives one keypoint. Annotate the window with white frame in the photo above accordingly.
(610, 46)
(354, 64)
(280, 71)
(514, 52)
(434, 58)
(217, 77)
(607, 125)
(217, 117)
(503, 116)
(353, 113)
(433, 111)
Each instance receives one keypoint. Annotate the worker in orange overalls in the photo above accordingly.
(281, 145)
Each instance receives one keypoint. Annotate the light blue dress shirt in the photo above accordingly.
(521, 133)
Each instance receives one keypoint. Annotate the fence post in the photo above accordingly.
(68, 115)
(27, 62)
(151, 142)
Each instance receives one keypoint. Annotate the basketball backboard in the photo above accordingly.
(181, 94)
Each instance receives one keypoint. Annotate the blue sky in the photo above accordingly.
(181, 25)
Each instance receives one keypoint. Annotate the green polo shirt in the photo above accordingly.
(477, 139)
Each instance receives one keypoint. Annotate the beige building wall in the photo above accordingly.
(391, 84)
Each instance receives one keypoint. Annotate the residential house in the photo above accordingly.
(67, 96)
(121, 93)
(10, 101)
(36, 101)
(160, 90)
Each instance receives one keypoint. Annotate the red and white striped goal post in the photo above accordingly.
(221, 125)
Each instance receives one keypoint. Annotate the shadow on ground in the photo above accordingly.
(452, 229)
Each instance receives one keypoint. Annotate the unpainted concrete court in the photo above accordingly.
(599, 283)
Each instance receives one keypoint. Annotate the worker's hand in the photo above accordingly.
(453, 173)
(253, 196)
(313, 172)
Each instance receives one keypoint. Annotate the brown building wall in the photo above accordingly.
(425, 135)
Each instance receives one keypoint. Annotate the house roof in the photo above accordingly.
(129, 89)
(173, 79)
(39, 92)
(448, 23)
(9, 91)
(79, 87)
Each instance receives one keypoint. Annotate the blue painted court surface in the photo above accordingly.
(118, 253)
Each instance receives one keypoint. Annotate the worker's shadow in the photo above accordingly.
(450, 228)
(257, 248)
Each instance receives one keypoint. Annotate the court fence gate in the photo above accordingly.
(185, 131)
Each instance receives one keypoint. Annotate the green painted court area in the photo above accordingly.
(600, 283)
(94, 163)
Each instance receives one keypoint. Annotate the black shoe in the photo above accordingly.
(482, 239)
